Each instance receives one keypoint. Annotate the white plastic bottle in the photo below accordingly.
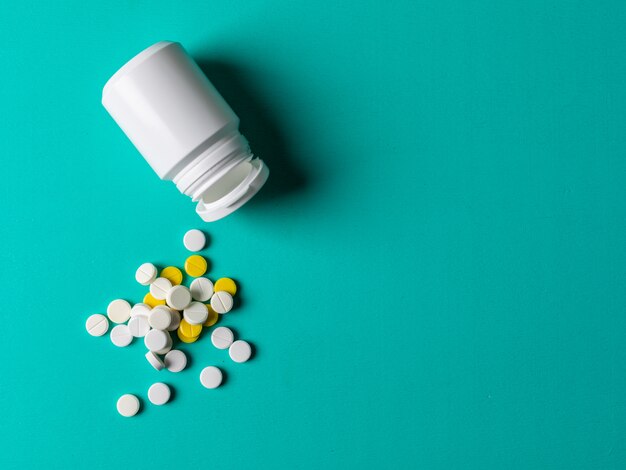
(184, 129)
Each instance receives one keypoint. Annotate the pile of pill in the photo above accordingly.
(159, 316)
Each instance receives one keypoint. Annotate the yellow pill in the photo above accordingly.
(213, 316)
(225, 284)
(149, 300)
(186, 339)
(188, 330)
(172, 274)
(195, 265)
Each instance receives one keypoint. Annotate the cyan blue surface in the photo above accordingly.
(433, 278)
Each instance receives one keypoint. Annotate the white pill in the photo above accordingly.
(140, 309)
(155, 340)
(194, 240)
(178, 297)
(160, 287)
(196, 313)
(175, 360)
(121, 336)
(159, 393)
(97, 324)
(222, 302)
(167, 347)
(146, 274)
(118, 311)
(211, 377)
(160, 317)
(128, 405)
(240, 351)
(155, 361)
(222, 337)
(138, 326)
(201, 289)
(175, 320)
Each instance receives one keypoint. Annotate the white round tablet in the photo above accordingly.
(160, 317)
(240, 351)
(155, 340)
(194, 240)
(222, 302)
(201, 289)
(211, 377)
(159, 393)
(128, 405)
(175, 320)
(121, 336)
(97, 324)
(175, 360)
(140, 309)
(222, 337)
(196, 313)
(167, 347)
(160, 287)
(178, 297)
(138, 326)
(155, 361)
(146, 274)
(118, 311)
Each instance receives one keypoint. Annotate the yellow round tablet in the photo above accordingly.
(213, 316)
(188, 330)
(172, 274)
(195, 265)
(225, 284)
(186, 339)
(151, 301)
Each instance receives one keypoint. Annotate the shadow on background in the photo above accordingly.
(259, 126)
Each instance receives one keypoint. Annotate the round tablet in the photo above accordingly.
(151, 301)
(172, 274)
(226, 284)
(212, 318)
(167, 347)
(140, 309)
(222, 302)
(121, 336)
(160, 317)
(186, 339)
(175, 320)
(118, 311)
(128, 405)
(211, 377)
(155, 361)
(194, 240)
(178, 297)
(146, 274)
(155, 340)
(222, 337)
(196, 313)
(175, 360)
(97, 324)
(160, 287)
(159, 393)
(138, 326)
(201, 289)
(189, 330)
(240, 351)
(195, 265)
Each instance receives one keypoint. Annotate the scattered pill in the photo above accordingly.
(128, 405)
(195, 265)
(172, 274)
(222, 337)
(189, 330)
(150, 301)
(222, 302)
(155, 361)
(160, 287)
(226, 284)
(138, 326)
(159, 393)
(146, 274)
(118, 311)
(201, 289)
(97, 324)
(140, 309)
(175, 360)
(196, 313)
(211, 377)
(121, 336)
(160, 317)
(175, 321)
(167, 347)
(240, 351)
(178, 297)
(155, 340)
(186, 339)
(194, 240)
(212, 317)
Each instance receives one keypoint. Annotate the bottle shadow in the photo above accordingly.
(260, 127)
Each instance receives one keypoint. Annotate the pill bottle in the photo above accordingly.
(184, 129)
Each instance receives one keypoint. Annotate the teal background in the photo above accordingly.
(433, 277)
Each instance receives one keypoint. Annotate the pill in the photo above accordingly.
(160, 317)
(97, 324)
(196, 313)
(222, 302)
(188, 330)
(128, 405)
(212, 318)
(222, 337)
(160, 287)
(186, 339)
(159, 393)
(195, 265)
(151, 301)
(175, 360)
(178, 297)
(146, 274)
(140, 309)
(240, 351)
(138, 326)
(175, 320)
(121, 336)
(211, 377)
(118, 311)
(155, 340)
(172, 274)
(226, 284)
(167, 347)
(155, 361)
(201, 289)
(194, 240)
